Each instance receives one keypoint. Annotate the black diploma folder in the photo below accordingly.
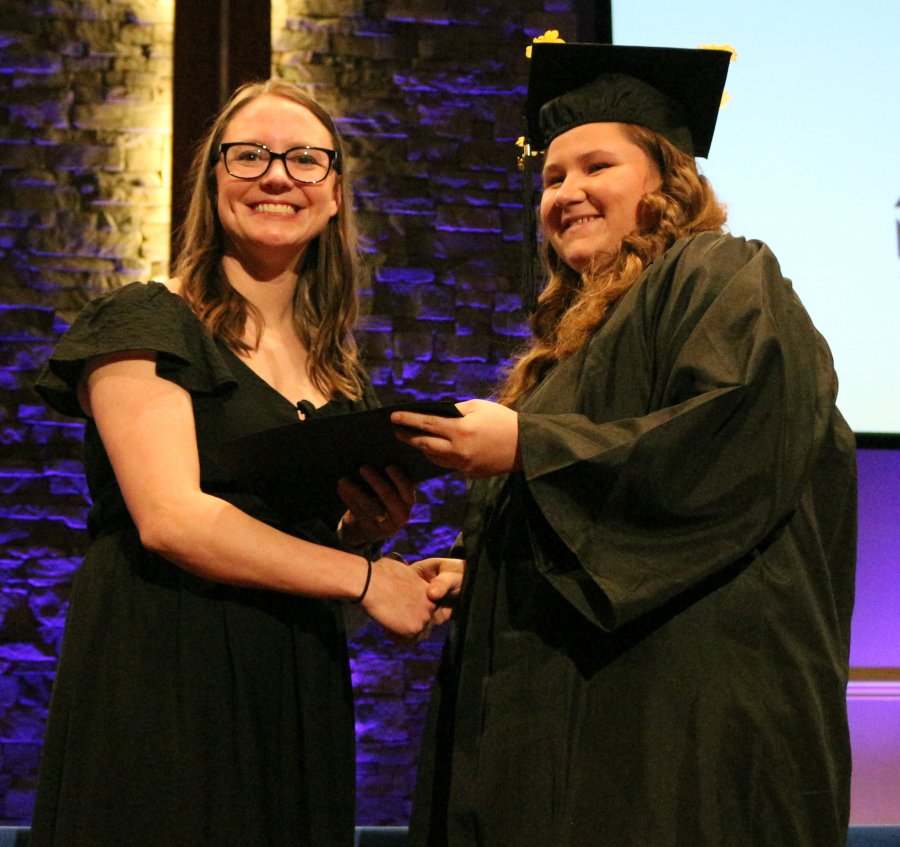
(303, 461)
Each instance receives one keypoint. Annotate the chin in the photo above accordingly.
(577, 262)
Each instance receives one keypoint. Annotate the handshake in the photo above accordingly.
(410, 600)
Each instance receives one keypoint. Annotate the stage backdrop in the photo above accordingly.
(805, 157)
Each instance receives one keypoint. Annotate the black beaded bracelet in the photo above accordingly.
(362, 596)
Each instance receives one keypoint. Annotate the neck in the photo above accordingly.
(270, 291)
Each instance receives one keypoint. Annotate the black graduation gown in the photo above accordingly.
(653, 639)
(187, 712)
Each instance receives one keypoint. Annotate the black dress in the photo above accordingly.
(653, 639)
(187, 712)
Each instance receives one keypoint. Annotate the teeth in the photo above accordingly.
(274, 208)
(579, 221)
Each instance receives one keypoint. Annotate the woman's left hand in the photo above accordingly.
(371, 519)
(444, 578)
(484, 442)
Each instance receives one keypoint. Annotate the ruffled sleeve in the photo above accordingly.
(138, 316)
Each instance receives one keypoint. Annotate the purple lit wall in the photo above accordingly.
(873, 695)
(876, 625)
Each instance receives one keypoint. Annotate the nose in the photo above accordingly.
(277, 174)
(569, 191)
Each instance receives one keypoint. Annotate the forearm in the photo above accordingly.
(214, 539)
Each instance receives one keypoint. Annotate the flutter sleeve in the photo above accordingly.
(738, 393)
(138, 316)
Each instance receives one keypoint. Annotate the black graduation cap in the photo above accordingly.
(673, 91)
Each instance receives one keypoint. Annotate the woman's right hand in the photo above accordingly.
(398, 599)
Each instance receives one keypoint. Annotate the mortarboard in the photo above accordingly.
(676, 92)
(673, 91)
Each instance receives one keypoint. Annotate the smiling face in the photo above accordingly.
(593, 177)
(274, 217)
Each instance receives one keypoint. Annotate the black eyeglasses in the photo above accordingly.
(246, 160)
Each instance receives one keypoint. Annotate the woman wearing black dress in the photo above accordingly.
(203, 692)
(652, 640)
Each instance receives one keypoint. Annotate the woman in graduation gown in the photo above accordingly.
(651, 641)
(203, 691)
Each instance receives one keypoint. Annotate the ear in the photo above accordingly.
(337, 198)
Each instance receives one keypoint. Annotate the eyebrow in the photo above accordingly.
(597, 152)
(269, 146)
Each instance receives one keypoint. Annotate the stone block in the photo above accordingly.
(461, 245)
(17, 156)
(149, 117)
(18, 805)
(462, 348)
(307, 41)
(326, 8)
(468, 218)
(487, 155)
(412, 346)
(376, 47)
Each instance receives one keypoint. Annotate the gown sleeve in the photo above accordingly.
(138, 316)
(738, 389)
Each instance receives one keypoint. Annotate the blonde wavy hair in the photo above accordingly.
(573, 305)
(326, 303)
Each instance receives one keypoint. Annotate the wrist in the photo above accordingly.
(355, 601)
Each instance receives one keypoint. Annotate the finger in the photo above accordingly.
(468, 406)
(403, 484)
(356, 500)
(384, 490)
(394, 507)
(441, 616)
(438, 450)
(431, 424)
(428, 569)
(442, 591)
(351, 495)
(411, 420)
(425, 634)
(370, 513)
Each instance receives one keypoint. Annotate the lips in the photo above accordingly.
(566, 224)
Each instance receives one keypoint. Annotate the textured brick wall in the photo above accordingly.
(84, 139)
(429, 95)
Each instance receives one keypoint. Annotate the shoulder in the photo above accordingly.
(717, 254)
(136, 295)
(145, 311)
(702, 267)
(145, 317)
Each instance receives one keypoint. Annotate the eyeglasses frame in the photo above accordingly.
(333, 160)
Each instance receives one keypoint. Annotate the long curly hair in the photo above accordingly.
(326, 303)
(573, 305)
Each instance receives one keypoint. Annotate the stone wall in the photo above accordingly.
(84, 206)
(428, 95)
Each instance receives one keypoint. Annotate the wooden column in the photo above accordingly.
(219, 44)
